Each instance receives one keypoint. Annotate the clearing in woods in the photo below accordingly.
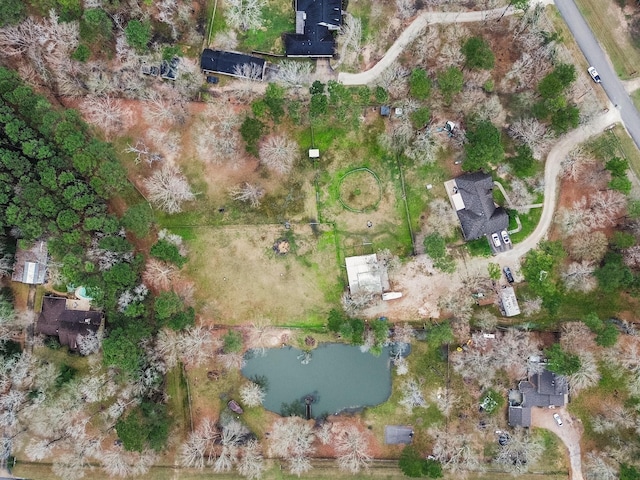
(242, 279)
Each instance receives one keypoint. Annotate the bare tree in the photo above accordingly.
(412, 395)
(251, 464)
(353, 450)
(198, 449)
(530, 132)
(588, 374)
(164, 107)
(576, 162)
(244, 14)
(106, 113)
(423, 150)
(278, 153)
(579, 276)
(521, 451)
(596, 468)
(232, 361)
(403, 333)
(442, 218)
(248, 71)
(90, 342)
(159, 275)
(576, 337)
(169, 189)
(293, 73)
(252, 394)
(353, 303)
(455, 451)
(573, 221)
(143, 152)
(520, 194)
(250, 193)
(217, 136)
(589, 248)
(486, 320)
(350, 37)
(292, 439)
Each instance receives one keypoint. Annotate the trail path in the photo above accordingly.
(416, 28)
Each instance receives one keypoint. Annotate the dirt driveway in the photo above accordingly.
(570, 433)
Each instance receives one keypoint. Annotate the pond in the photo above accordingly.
(339, 377)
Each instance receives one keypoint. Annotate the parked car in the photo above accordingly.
(508, 274)
(557, 418)
(594, 74)
(505, 237)
(211, 79)
(496, 240)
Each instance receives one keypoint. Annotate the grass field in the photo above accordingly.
(241, 279)
(606, 21)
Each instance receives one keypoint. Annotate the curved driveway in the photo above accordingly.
(416, 28)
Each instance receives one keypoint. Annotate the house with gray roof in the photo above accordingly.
(545, 389)
(233, 64)
(472, 197)
(316, 24)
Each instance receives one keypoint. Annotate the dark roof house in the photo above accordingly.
(66, 319)
(544, 389)
(30, 265)
(478, 213)
(232, 63)
(316, 22)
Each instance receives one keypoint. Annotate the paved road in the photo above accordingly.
(596, 56)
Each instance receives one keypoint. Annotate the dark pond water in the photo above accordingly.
(338, 376)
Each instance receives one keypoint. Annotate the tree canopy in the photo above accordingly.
(478, 54)
(483, 147)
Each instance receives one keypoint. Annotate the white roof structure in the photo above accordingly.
(364, 274)
(314, 153)
(31, 265)
(509, 302)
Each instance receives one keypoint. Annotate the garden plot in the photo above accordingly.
(241, 278)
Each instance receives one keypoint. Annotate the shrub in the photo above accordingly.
(138, 34)
(419, 84)
(232, 342)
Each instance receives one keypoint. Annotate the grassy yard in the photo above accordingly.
(178, 404)
(241, 278)
(604, 18)
(278, 18)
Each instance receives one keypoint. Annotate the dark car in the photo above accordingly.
(212, 79)
(508, 274)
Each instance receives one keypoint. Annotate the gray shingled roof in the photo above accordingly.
(519, 416)
(480, 216)
(314, 35)
(218, 61)
(541, 390)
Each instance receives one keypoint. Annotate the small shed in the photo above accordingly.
(314, 153)
(365, 274)
(398, 434)
(30, 265)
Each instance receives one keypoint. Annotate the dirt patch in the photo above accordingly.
(240, 278)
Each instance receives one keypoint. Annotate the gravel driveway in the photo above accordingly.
(570, 433)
